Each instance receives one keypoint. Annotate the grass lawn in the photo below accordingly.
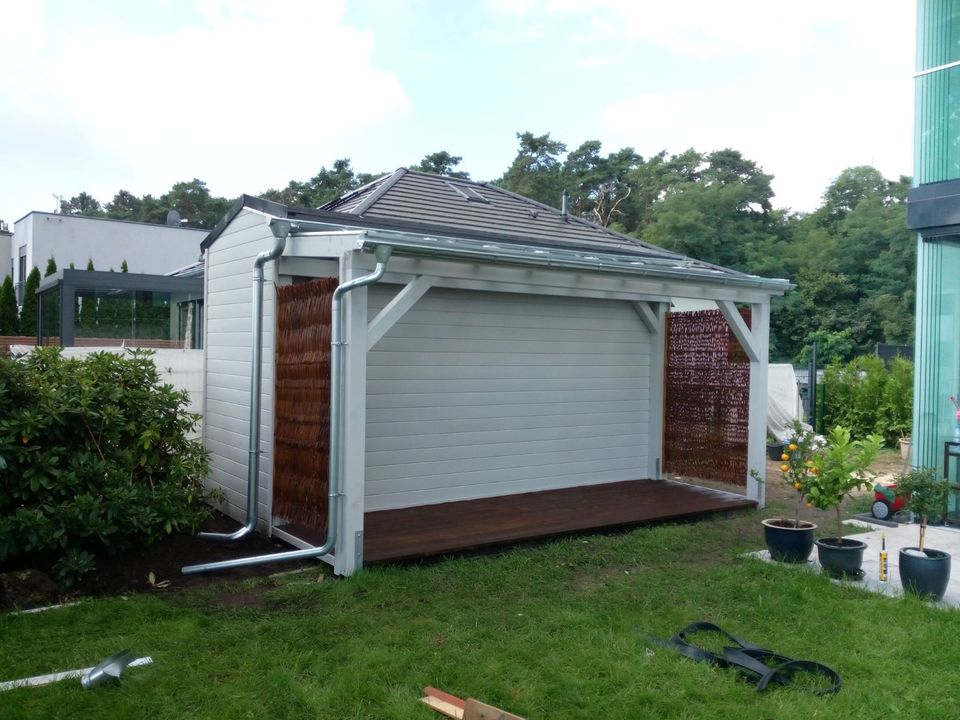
(544, 631)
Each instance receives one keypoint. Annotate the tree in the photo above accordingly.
(28, 311)
(598, 186)
(323, 187)
(52, 267)
(845, 193)
(9, 320)
(123, 266)
(196, 206)
(125, 206)
(441, 163)
(82, 204)
(90, 263)
(535, 172)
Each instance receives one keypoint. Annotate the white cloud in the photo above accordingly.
(249, 96)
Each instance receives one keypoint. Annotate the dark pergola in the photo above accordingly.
(65, 285)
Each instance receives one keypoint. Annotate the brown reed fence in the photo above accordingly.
(707, 398)
(302, 402)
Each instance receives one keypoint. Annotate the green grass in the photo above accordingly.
(545, 631)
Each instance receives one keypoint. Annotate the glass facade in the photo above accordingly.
(79, 307)
(936, 160)
(938, 358)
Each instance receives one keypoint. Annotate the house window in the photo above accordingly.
(22, 275)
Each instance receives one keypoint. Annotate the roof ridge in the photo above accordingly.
(388, 182)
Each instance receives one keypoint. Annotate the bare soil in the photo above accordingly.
(131, 573)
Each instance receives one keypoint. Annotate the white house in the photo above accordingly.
(147, 248)
(493, 369)
(6, 240)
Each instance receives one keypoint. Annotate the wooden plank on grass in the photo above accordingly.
(476, 710)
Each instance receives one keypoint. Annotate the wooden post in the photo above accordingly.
(658, 350)
(349, 549)
(757, 442)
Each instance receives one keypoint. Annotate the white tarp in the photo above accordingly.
(783, 400)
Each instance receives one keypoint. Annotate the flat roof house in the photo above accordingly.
(441, 364)
(147, 248)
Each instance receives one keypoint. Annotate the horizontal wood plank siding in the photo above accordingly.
(475, 394)
(228, 308)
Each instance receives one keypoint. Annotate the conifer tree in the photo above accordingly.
(9, 319)
(28, 312)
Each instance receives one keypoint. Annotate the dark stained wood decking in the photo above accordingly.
(450, 527)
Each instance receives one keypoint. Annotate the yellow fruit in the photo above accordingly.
(814, 470)
(784, 467)
(784, 457)
(809, 505)
(792, 446)
(797, 486)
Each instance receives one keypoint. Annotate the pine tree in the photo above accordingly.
(90, 264)
(9, 320)
(28, 313)
(123, 266)
(51, 267)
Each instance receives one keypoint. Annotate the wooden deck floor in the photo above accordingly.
(450, 527)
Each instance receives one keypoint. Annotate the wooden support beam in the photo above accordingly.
(397, 308)
(647, 315)
(740, 330)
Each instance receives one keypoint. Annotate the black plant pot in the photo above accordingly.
(841, 558)
(775, 450)
(925, 576)
(787, 543)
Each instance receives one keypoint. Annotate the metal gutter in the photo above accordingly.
(336, 414)
(281, 230)
(454, 247)
(674, 268)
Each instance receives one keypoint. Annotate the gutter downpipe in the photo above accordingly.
(382, 253)
(281, 230)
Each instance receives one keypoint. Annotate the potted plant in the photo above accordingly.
(791, 539)
(774, 447)
(904, 447)
(842, 467)
(924, 571)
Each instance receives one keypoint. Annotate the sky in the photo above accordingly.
(104, 95)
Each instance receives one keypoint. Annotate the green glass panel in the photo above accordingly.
(937, 355)
(937, 121)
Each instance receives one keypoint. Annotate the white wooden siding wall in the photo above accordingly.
(228, 343)
(476, 394)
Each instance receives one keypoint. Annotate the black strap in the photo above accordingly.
(754, 663)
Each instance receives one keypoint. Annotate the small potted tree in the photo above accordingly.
(924, 571)
(791, 539)
(842, 468)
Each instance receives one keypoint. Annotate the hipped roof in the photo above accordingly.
(417, 202)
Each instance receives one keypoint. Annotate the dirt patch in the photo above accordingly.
(781, 499)
(157, 569)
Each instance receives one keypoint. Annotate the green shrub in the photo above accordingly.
(94, 458)
(867, 397)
